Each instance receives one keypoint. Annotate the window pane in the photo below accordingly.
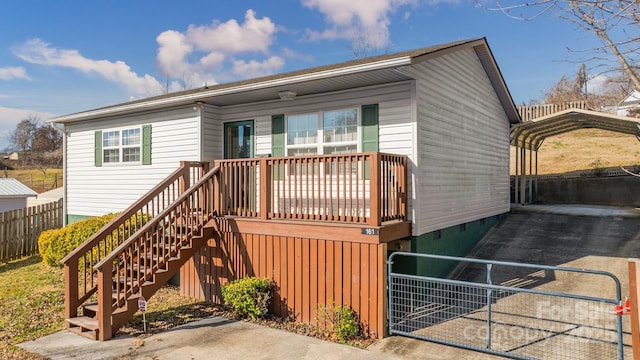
(131, 154)
(131, 137)
(110, 138)
(303, 151)
(340, 125)
(302, 129)
(111, 155)
(344, 149)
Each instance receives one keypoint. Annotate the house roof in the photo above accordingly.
(13, 188)
(531, 134)
(335, 77)
(632, 100)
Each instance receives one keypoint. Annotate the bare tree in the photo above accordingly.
(46, 139)
(364, 45)
(616, 24)
(568, 90)
(22, 137)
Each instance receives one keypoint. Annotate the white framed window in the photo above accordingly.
(322, 132)
(122, 146)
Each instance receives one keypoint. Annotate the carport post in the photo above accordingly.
(517, 155)
(530, 174)
(523, 177)
(634, 295)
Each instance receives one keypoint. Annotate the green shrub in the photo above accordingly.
(54, 245)
(249, 296)
(342, 319)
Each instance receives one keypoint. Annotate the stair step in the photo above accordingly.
(84, 322)
(84, 326)
(91, 308)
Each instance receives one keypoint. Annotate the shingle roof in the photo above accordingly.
(268, 86)
(14, 188)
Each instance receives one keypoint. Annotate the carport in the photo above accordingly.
(529, 137)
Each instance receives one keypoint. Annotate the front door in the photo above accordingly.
(238, 140)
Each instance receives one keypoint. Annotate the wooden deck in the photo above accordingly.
(285, 218)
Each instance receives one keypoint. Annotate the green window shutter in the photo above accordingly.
(370, 128)
(277, 135)
(98, 148)
(369, 132)
(146, 145)
(277, 143)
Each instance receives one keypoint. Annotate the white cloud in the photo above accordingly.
(14, 72)
(356, 18)
(36, 51)
(290, 53)
(253, 68)
(361, 20)
(599, 84)
(201, 51)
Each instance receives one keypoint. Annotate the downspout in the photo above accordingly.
(199, 107)
(64, 171)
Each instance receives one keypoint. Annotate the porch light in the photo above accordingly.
(287, 95)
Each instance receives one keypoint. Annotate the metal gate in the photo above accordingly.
(517, 310)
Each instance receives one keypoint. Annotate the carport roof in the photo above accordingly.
(532, 134)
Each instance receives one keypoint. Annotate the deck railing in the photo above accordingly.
(81, 280)
(366, 188)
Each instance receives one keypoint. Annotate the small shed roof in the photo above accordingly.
(14, 188)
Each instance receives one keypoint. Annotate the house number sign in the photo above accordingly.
(370, 231)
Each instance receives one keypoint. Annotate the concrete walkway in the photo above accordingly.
(220, 338)
(211, 338)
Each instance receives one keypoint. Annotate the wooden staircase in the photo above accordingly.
(138, 252)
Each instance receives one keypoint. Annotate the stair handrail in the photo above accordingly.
(138, 243)
(177, 182)
(160, 217)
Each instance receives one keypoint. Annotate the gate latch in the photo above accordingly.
(624, 310)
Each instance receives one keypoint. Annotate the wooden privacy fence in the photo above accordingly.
(530, 112)
(19, 229)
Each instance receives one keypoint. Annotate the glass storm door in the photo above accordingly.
(238, 140)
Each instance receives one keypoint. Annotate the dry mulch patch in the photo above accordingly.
(168, 309)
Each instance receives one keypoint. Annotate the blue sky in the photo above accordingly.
(60, 57)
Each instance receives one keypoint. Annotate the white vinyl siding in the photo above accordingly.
(262, 134)
(212, 138)
(12, 203)
(98, 190)
(463, 143)
(389, 97)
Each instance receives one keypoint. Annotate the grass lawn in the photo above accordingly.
(35, 179)
(32, 305)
